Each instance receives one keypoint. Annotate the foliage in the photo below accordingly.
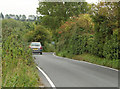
(105, 18)
(49, 47)
(18, 66)
(97, 60)
(1, 16)
(78, 32)
(96, 34)
(39, 34)
(111, 47)
(55, 12)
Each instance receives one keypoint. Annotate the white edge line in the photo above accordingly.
(87, 63)
(48, 79)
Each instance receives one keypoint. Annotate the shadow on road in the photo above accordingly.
(36, 54)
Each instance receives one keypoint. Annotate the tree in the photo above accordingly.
(60, 11)
(105, 17)
(39, 34)
(7, 16)
(22, 17)
(17, 17)
(1, 16)
(12, 16)
(31, 18)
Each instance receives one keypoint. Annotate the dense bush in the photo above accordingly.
(111, 47)
(106, 30)
(79, 35)
(39, 34)
(18, 66)
(73, 35)
(48, 47)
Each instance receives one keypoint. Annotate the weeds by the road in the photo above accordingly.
(21, 75)
(97, 60)
(113, 63)
(18, 66)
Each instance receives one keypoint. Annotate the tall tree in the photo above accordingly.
(7, 16)
(1, 16)
(31, 18)
(105, 16)
(23, 17)
(17, 17)
(55, 12)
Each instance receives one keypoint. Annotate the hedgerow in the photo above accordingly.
(81, 35)
(18, 66)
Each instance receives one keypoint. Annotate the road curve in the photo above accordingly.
(71, 73)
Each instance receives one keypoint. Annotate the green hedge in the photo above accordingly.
(75, 37)
(18, 68)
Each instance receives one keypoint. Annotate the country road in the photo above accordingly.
(72, 73)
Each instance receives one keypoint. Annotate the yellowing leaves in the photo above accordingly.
(103, 11)
(83, 22)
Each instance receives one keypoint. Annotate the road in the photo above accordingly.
(72, 73)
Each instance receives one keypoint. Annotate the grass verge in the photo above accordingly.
(21, 76)
(97, 60)
(114, 63)
(18, 67)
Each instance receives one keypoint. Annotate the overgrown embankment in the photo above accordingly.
(82, 38)
(18, 66)
(83, 29)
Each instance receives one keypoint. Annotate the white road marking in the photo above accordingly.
(48, 79)
(86, 62)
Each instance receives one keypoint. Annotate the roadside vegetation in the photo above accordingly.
(97, 60)
(0, 64)
(40, 34)
(0, 53)
(84, 31)
(76, 30)
(18, 65)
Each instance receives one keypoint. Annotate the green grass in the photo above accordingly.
(21, 76)
(97, 60)
(114, 63)
(18, 67)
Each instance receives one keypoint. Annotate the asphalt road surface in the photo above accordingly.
(72, 73)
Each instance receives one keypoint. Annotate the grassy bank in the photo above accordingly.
(18, 67)
(94, 59)
(89, 34)
(21, 75)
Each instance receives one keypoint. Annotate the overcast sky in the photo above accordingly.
(27, 7)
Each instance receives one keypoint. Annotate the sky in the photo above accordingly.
(17, 7)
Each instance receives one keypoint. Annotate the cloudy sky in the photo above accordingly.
(27, 7)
